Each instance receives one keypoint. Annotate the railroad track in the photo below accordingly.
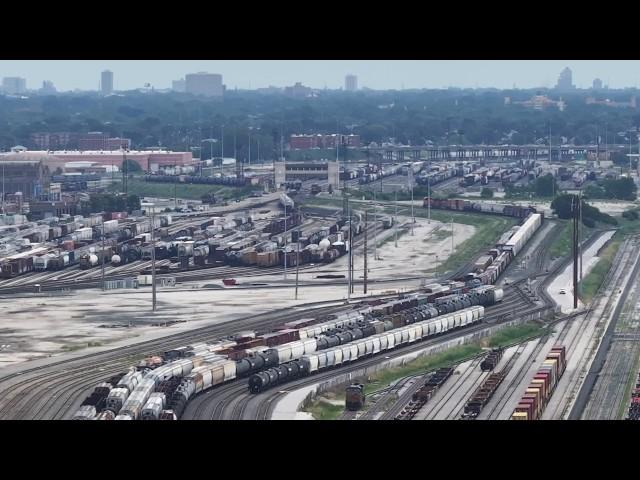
(267, 396)
(541, 252)
(589, 399)
(390, 393)
(446, 392)
(579, 356)
(52, 391)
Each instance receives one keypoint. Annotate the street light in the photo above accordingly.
(210, 141)
(153, 252)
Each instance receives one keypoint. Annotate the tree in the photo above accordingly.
(562, 206)
(545, 186)
(133, 203)
(486, 193)
(131, 166)
(620, 189)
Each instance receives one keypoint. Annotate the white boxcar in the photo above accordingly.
(411, 331)
(391, 341)
(311, 362)
(85, 412)
(346, 353)
(368, 346)
(322, 359)
(161, 396)
(116, 399)
(405, 335)
(284, 352)
(338, 355)
(362, 348)
(152, 409)
(309, 345)
(376, 344)
(331, 357)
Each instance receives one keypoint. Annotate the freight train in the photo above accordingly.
(436, 177)
(482, 395)
(517, 211)
(421, 396)
(634, 407)
(363, 348)
(354, 397)
(503, 254)
(221, 180)
(544, 382)
(195, 368)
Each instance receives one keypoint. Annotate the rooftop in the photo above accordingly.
(59, 153)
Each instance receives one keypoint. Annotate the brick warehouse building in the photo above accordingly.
(148, 160)
(25, 173)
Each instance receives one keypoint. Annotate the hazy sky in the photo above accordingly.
(377, 74)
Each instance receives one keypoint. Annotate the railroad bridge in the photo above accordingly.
(491, 152)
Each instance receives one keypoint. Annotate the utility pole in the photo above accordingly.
(413, 218)
(153, 256)
(452, 242)
(221, 149)
(284, 246)
(297, 262)
(365, 251)
(102, 273)
(349, 259)
(429, 196)
(375, 227)
(629, 155)
(3, 210)
(395, 220)
(574, 208)
(124, 173)
(553, 179)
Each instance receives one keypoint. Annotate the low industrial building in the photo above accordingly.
(149, 160)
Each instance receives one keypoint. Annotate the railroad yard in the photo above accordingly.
(264, 310)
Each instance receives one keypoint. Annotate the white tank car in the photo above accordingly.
(115, 260)
(286, 201)
(324, 244)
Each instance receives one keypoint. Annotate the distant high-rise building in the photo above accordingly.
(202, 83)
(178, 85)
(351, 83)
(48, 87)
(106, 82)
(298, 90)
(14, 85)
(565, 81)
(597, 84)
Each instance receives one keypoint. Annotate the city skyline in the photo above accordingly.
(71, 75)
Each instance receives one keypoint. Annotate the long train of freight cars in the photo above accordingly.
(222, 180)
(421, 396)
(490, 266)
(517, 211)
(248, 354)
(362, 348)
(539, 392)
